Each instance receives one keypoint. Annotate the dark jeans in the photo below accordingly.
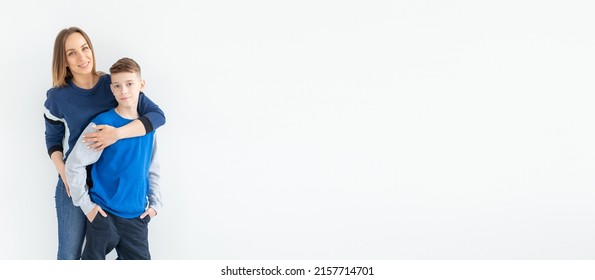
(128, 236)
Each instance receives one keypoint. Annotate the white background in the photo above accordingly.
(330, 129)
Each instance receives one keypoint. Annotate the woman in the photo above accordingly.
(78, 94)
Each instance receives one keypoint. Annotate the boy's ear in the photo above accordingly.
(142, 85)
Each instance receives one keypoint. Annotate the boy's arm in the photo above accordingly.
(152, 117)
(154, 180)
(76, 172)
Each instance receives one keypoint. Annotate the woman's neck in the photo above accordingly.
(85, 81)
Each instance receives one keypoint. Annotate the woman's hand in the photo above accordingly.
(57, 159)
(64, 180)
(104, 136)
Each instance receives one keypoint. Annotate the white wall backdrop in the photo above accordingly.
(330, 129)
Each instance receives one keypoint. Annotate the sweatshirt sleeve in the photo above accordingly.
(154, 180)
(54, 131)
(152, 116)
(76, 172)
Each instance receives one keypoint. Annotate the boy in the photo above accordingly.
(125, 189)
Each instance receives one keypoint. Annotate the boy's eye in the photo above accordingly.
(117, 86)
(129, 84)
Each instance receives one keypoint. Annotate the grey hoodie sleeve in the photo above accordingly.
(76, 173)
(154, 179)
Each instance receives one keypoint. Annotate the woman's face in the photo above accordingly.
(79, 56)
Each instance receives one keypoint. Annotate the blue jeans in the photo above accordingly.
(71, 225)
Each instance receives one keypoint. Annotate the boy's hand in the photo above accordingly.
(151, 212)
(104, 136)
(91, 216)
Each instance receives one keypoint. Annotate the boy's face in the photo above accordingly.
(126, 88)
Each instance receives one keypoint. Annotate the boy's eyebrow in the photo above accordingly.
(124, 81)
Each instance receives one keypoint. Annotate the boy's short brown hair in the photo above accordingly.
(125, 65)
